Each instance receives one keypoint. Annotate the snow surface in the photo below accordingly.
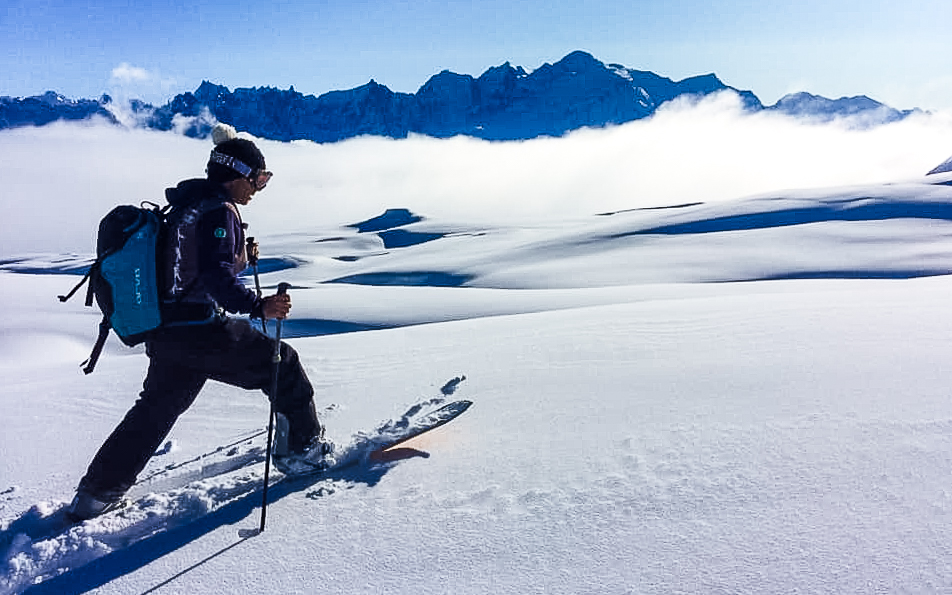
(748, 396)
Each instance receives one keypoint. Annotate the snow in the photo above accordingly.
(741, 396)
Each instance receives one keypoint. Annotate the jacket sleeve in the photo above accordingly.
(219, 235)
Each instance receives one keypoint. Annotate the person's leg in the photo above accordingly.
(295, 397)
(238, 354)
(295, 400)
(168, 390)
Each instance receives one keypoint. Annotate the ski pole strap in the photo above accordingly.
(90, 364)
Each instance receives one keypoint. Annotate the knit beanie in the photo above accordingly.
(232, 157)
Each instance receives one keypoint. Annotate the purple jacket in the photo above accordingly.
(204, 254)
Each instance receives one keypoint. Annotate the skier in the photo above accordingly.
(203, 254)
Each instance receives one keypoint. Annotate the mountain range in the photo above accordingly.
(504, 103)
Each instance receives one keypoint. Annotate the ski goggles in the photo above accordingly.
(259, 178)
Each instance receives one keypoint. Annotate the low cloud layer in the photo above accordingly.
(59, 180)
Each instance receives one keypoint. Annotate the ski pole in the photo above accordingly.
(276, 360)
(252, 251)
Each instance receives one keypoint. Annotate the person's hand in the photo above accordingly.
(276, 306)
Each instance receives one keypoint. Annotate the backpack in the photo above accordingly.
(124, 278)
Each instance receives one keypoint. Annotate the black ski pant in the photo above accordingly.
(182, 359)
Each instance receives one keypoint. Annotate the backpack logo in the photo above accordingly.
(138, 286)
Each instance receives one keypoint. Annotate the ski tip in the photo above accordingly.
(248, 533)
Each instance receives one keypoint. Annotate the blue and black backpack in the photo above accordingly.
(124, 277)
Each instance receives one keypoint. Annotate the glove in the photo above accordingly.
(251, 250)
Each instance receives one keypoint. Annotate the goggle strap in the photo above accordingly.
(230, 162)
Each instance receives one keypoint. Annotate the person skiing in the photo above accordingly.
(204, 252)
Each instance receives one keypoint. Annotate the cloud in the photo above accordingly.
(127, 82)
(689, 152)
(65, 177)
(126, 73)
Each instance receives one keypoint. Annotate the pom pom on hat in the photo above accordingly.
(223, 132)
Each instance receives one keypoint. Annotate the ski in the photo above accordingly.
(365, 445)
(250, 450)
(420, 425)
(224, 459)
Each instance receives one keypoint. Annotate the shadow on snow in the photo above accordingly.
(853, 210)
(407, 278)
(240, 511)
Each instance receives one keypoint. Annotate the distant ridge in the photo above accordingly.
(504, 103)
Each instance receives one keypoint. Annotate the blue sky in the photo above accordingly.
(894, 51)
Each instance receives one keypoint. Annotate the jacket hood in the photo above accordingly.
(191, 191)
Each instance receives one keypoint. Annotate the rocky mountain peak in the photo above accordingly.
(504, 103)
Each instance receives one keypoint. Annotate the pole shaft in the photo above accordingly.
(276, 362)
(251, 249)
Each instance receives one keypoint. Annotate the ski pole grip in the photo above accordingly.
(251, 250)
(283, 288)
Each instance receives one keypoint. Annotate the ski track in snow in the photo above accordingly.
(41, 543)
